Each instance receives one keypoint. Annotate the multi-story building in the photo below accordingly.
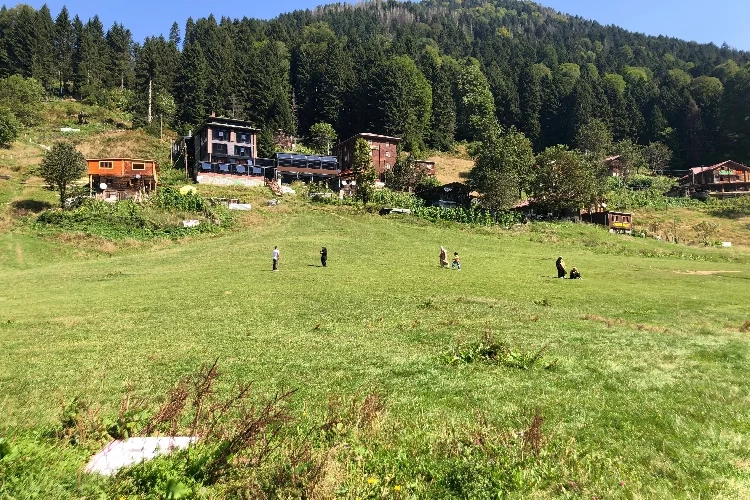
(382, 148)
(221, 146)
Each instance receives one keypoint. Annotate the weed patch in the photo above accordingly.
(492, 352)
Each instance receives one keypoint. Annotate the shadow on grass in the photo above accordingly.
(34, 206)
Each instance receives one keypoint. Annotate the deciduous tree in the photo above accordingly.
(61, 166)
(565, 179)
(364, 171)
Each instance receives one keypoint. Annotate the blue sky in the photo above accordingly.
(717, 21)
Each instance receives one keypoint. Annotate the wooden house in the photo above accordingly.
(426, 167)
(618, 222)
(383, 150)
(613, 164)
(724, 179)
(122, 178)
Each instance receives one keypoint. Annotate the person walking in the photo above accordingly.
(275, 256)
(560, 264)
(324, 256)
(443, 257)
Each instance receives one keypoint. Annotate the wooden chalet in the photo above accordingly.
(726, 179)
(383, 150)
(122, 178)
(613, 164)
(617, 222)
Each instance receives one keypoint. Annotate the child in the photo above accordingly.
(324, 256)
(574, 274)
(456, 262)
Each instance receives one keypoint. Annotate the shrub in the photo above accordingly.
(9, 127)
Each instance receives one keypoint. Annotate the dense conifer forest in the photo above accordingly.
(431, 72)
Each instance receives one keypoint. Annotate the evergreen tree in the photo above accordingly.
(191, 85)
(119, 62)
(531, 105)
(403, 101)
(64, 41)
(475, 103)
(174, 34)
(43, 63)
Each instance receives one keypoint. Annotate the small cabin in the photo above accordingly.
(617, 222)
(116, 179)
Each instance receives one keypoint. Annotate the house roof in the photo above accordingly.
(120, 159)
(368, 135)
(698, 170)
(226, 122)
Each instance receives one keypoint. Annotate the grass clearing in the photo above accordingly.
(647, 397)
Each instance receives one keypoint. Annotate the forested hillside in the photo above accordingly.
(429, 71)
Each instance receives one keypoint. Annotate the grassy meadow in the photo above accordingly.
(642, 390)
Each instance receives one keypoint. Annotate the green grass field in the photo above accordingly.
(647, 397)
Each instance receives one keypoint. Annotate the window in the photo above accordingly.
(243, 137)
(219, 149)
(242, 151)
(387, 165)
(222, 134)
(139, 166)
(388, 144)
(105, 164)
(387, 154)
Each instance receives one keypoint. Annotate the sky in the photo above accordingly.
(717, 21)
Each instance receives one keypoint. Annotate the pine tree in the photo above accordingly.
(43, 67)
(531, 105)
(64, 40)
(119, 62)
(192, 83)
(174, 34)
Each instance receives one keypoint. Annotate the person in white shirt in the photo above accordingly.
(276, 254)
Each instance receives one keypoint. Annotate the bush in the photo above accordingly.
(127, 219)
(9, 127)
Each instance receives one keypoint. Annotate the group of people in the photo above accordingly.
(456, 264)
(276, 255)
(561, 272)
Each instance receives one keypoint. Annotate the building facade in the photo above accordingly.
(728, 178)
(221, 146)
(115, 179)
(383, 150)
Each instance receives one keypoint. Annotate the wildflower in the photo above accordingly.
(371, 480)
(397, 487)
(622, 483)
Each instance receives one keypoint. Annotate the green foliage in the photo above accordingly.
(502, 168)
(706, 230)
(125, 219)
(9, 128)
(323, 137)
(23, 97)
(492, 352)
(475, 104)
(61, 166)
(169, 198)
(594, 138)
(364, 171)
(565, 179)
(471, 216)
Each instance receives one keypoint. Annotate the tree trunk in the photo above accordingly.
(62, 195)
(149, 101)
